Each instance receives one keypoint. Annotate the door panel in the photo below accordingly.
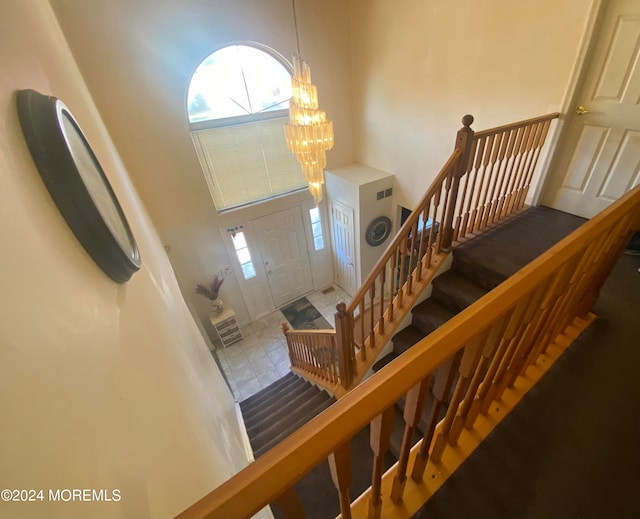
(343, 246)
(283, 246)
(601, 152)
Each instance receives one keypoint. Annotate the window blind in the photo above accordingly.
(247, 162)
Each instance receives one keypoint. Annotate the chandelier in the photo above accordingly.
(309, 133)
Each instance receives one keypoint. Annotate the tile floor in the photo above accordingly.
(261, 357)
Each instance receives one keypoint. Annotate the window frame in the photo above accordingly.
(238, 119)
(214, 183)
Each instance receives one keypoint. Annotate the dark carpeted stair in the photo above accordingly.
(281, 408)
(478, 266)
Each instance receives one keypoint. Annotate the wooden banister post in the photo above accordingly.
(344, 343)
(464, 138)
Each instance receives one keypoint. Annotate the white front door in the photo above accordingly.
(343, 246)
(600, 158)
(283, 246)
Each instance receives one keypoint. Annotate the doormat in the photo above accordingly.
(327, 290)
(302, 315)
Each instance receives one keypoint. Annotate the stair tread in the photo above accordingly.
(500, 252)
(405, 338)
(279, 386)
(259, 450)
(383, 361)
(304, 412)
(296, 406)
(430, 315)
(456, 291)
(278, 402)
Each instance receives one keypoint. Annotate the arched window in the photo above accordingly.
(237, 105)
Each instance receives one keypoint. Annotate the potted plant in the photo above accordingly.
(212, 292)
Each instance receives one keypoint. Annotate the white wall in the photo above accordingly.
(419, 66)
(101, 385)
(138, 56)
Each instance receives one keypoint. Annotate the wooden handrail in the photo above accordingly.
(491, 343)
(514, 126)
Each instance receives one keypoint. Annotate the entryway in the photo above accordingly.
(283, 246)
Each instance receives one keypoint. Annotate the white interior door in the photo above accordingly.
(283, 246)
(600, 158)
(343, 246)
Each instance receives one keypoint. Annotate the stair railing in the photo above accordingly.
(485, 181)
(494, 175)
(482, 361)
(314, 354)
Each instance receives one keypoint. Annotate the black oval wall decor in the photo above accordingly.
(77, 183)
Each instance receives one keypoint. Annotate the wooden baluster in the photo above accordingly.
(481, 170)
(383, 275)
(363, 336)
(340, 466)
(468, 364)
(459, 226)
(620, 238)
(441, 389)
(464, 139)
(403, 262)
(531, 315)
(412, 256)
(424, 215)
(392, 284)
(372, 311)
(486, 351)
(548, 307)
(529, 156)
(506, 178)
(492, 180)
(513, 174)
(541, 138)
(413, 407)
(531, 165)
(440, 210)
(290, 505)
(432, 231)
(513, 333)
(484, 183)
(481, 395)
(495, 192)
(521, 166)
(467, 225)
(380, 440)
(344, 344)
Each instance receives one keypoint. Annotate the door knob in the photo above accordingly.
(269, 272)
(581, 110)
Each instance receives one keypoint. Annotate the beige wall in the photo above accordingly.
(102, 385)
(419, 66)
(138, 56)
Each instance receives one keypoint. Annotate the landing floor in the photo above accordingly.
(261, 357)
(571, 448)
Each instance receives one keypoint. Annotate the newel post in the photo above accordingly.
(344, 343)
(464, 138)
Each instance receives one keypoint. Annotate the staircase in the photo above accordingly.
(476, 366)
(279, 409)
(478, 266)
(484, 183)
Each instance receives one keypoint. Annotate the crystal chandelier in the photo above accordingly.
(309, 133)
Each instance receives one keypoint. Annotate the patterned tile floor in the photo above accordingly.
(261, 357)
